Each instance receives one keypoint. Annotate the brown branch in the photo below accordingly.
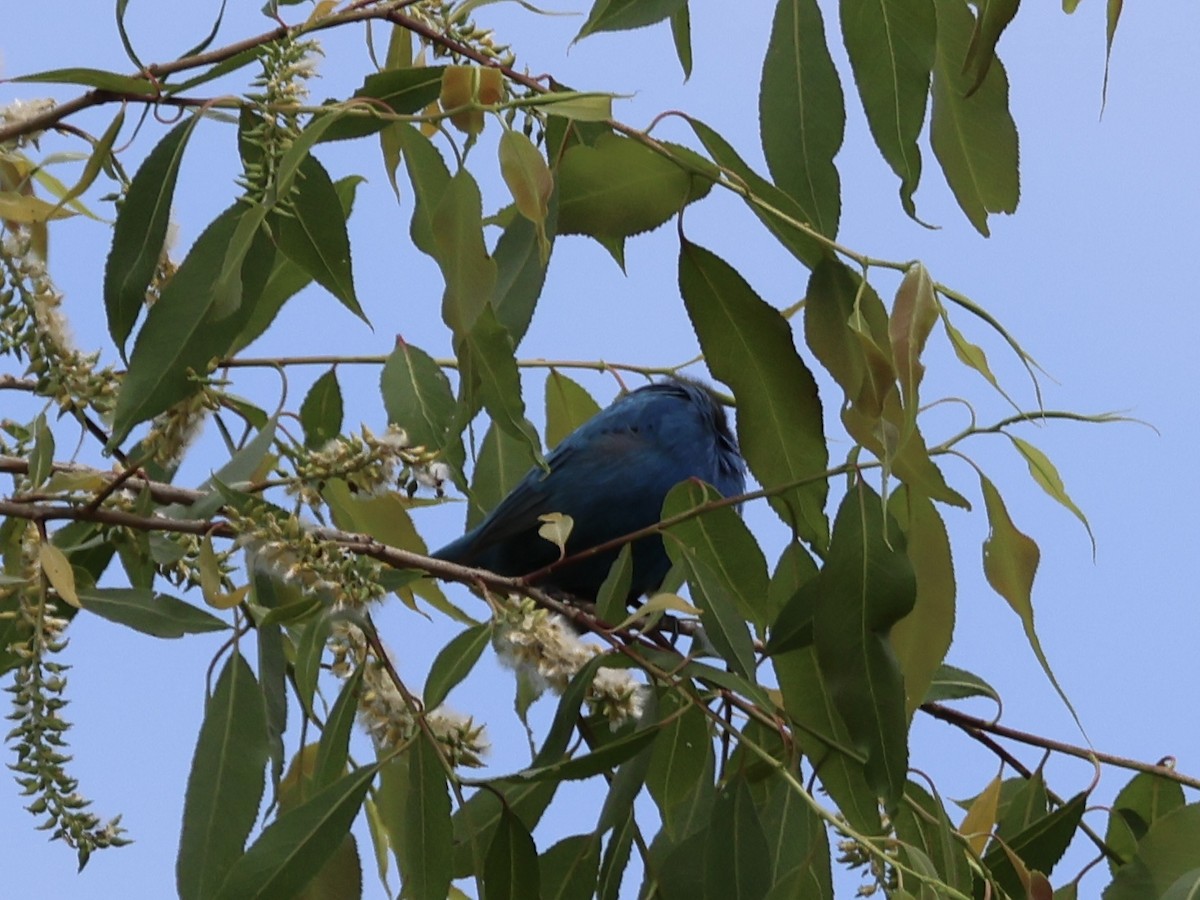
(968, 722)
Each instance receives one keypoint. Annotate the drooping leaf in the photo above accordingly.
(891, 45)
(973, 137)
(680, 767)
(722, 540)
(977, 824)
(294, 848)
(1040, 845)
(737, 856)
(426, 857)
(225, 784)
(723, 624)
(748, 345)
(141, 232)
(529, 180)
(920, 639)
(469, 271)
(1046, 475)
(825, 739)
(489, 372)
(511, 870)
(568, 869)
(418, 397)
(681, 34)
(503, 461)
(334, 749)
(801, 113)
(189, 327)
(623, 15)
(923, 823)
(521, 271)
(568, 406)
(994, 16)
(315, 240)
(867, 586)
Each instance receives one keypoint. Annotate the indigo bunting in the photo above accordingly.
(610, 476)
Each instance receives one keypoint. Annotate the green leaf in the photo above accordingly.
(723, 625)
(681, 34)
(568, 405)
(722, 540)
(1141, 803)
(418, 397)
(867, 586)
(457, 228)
(313, 239)
(511, 871)
(993, 18)
(587, 765)
(286, 278)
(794, 569)
(454, 662)
(520, 272)
(1039, 846)
(1010, 560)
(914, 313)
(568, 869)
(141, 231)
(921, 639)
(1166, 853)
(489, 371)
(974, 138)
(309, 649)
(624, 15)
(737, 859)
(950, 683)
(403, 91)
(100, 157)
(748, 345)
(430, 180)
(617, 187)
(801, 113)
(922, 823)
(529, 179)
(225, 784)
(321, 411)
(503, 461)
(158, 615)
(797, 840)
(185, 331)
(93, 78)
(775, 209)
(1048, 479)
(294, 848)
(616, 860)
(426, 857)
(824, 738)
(891, 45)
(681, 766)
(334, 748)
(613, 595)
(476, 820)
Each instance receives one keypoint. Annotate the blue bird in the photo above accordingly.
(611, 476)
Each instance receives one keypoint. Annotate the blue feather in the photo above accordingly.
(610, 476)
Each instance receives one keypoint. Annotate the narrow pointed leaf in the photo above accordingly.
(737, 857)
(315, 240)
(294, 848)
(891, 45)
(973, 137)
(622, 15)
(426, 858)
(511, 871)
(334, 748)
(748, 345)
(225, 784)
(1046, 475)
(921, 639)
(867, 586)
(801, 113)
(158, 615)
(455, 662)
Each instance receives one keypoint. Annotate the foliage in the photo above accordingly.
(726, 709)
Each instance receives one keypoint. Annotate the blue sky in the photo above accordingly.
(1091, 275)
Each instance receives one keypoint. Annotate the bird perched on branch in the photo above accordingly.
(610, 476)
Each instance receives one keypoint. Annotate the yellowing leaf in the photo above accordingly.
(1046, 475)
(556, 529)
(913, 316)
(16, 207)
(977, 824)
(210, 572)
(530, 181)
(57, 569)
